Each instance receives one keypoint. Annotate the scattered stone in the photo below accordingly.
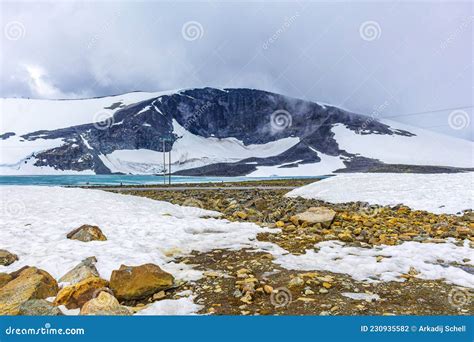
(346, 237)
(136, 282)
(85, 269)
(7, 258)
(268, 289)
(30, 283)
(213, 274)
(241, 215)
(308, 292)
(39, 307)
(104, 305)
(323, 291)
(295, 282)
(322, 215)
(74, 296)
(159, 295)
(86, 233)
(247, 298)
(261, 204)
(306, 299)
(327, 285)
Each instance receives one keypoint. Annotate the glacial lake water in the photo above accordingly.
(52, 180)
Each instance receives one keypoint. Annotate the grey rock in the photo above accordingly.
(39, 307)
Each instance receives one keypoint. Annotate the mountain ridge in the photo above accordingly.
(218, 132)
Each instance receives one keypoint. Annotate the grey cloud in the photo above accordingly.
(420, 59)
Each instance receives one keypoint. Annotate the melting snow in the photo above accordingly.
(437, 193)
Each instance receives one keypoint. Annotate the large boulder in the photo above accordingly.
(86, 233)
(30, 283)
(85, 269)
(74, 296)
(104, 305)
(313, 215)
(7, 258)
(39, 307)
(130, 282)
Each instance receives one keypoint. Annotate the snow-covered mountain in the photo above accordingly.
(222, 132)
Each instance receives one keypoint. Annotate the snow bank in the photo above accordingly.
(437, 193)
(35, 221)
(429, 259)
(174, 307)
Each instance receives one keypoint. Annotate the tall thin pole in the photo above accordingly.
(164, 163)
(169, 165)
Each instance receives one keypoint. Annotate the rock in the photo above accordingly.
(247, 298)
(327, 285)
(313, 215)
(346, 237)
(280, 224)
(297, 281)
(130, 282)
(39, 307)
(268, 289)
(5, 278)
(213, 274)
(323, 291)
(241, 215)
(86, 233)
(85, 269)
(30, 283)
(7, 258)
(261, 204)
(461, 231)
(305, 299)
(74, 296)
(309, 292)
(104, 305)
(159, 295)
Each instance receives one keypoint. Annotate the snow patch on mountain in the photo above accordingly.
(15, 149)
(191, 151)
(425, 148)
(23, 116)
(326, 166)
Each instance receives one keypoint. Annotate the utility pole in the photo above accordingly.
(164, 140)
(164, 162)
(169, 165)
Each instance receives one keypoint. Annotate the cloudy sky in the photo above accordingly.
(410, 61)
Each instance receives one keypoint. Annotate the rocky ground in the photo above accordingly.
(247, 282)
